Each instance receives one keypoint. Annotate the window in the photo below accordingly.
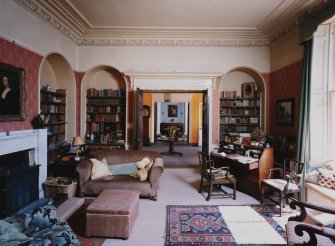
(322, 115)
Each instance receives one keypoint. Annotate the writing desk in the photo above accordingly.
(248, 175)
(171, 142)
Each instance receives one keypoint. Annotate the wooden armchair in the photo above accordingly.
(304, 230)
(215, 177)
(285, 184)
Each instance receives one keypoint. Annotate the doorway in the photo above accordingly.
(180, 110)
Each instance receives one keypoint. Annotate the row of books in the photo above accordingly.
(104, 102)
(227, 94)
(104, 117)
(239, 111)
(105, 147)
(104, 109)
(240, 103)
(237, 129)
(53, 129)
(238, 120)
(104, 138)
(103, 127)
(105, 92)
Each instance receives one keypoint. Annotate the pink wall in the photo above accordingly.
(285, 83)
(12, 54)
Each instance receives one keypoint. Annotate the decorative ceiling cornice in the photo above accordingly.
(173, 42)
(60, 16)
(280, 25)
(171, 75)
(47, 17)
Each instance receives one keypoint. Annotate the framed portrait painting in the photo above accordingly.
(11, 93)
(285, 112)
(172, 111)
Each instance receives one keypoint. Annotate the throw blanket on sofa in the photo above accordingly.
(123, 169)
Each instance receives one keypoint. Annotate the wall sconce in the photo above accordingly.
(167, 97)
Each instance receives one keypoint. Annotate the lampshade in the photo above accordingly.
(77, 141)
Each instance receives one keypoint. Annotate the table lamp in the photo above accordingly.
(77, 142)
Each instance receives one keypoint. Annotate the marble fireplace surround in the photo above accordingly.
(33, 140)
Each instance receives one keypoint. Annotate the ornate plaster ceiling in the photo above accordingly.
(174, 22)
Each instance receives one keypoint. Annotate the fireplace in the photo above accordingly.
(23, 168)
(18, 182)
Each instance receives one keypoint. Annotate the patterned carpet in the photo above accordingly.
(204, 225)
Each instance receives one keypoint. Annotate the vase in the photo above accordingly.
(37, 122)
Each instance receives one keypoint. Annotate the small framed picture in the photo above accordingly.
(285, 111)
(172, 110)
(248, 90)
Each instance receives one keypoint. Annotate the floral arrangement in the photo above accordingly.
(172, 131)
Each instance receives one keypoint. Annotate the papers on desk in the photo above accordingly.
(242, 159)
(222, 154)
(247, 160)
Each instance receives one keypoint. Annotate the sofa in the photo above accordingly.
(147, 188)
(320, 184)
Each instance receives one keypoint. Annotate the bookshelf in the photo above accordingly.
(239, 115)
(53, 113)
(105, 119)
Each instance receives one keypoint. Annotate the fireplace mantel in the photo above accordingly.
(34, 140)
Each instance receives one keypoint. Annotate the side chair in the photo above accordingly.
(284, 181)
(306, 230)
(215, 177)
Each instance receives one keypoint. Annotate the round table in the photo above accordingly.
(171, 142)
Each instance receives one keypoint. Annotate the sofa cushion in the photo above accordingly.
(326, 179)
(122, 169)
(99, 169)
(312, 176)
(144, 166)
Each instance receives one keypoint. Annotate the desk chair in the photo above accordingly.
(285, 181)
(216, 177)
(305, 229)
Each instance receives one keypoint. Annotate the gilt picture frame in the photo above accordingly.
(12, 95)
(285, 113)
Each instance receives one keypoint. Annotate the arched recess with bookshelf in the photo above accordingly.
(238, 112)
(104, 108)
(57, 108)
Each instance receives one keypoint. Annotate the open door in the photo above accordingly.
(138, 127)
(205, 122)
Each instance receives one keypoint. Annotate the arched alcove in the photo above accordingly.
(233, 80)
(101, 77)
(56, 71)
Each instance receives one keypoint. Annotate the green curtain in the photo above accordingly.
(305, 98)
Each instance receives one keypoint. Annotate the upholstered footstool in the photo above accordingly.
(112, 214)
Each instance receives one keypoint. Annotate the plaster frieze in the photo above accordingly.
(173, 42)
(62, 17)
(36, 9)
(287, 23)
(171, 75)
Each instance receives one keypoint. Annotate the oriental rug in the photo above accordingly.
(205, 225)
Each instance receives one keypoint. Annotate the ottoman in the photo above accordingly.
(112, 214)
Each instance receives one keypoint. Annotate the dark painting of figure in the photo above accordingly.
(172, 111)
(10, 96)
